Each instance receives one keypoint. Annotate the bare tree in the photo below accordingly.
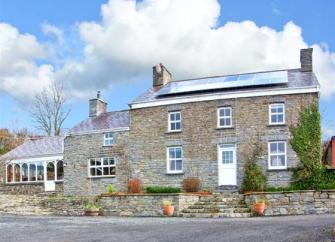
(49, 111)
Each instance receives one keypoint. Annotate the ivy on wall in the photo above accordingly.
(306, 142)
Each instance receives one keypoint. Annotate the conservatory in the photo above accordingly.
(37, 161)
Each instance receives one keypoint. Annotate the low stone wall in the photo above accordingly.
(41, 205)
(295, 203)
(28, 188)
(144, 204)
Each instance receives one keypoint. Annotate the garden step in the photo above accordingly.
(215, 215)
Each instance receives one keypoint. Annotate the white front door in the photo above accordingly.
(227, 164)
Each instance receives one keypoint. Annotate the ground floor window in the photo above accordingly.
(277, 155)
(35, 171)
(175, 159)
(102, 167)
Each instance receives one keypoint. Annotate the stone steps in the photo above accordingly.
(219, 205)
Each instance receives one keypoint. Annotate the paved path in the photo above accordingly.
(63, 229)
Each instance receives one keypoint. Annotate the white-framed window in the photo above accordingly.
(38, 171)
(101, 167)
(174, 121)
(175, 159)
(108, 139)
(277, 155)
(225, 117)
(276, 113)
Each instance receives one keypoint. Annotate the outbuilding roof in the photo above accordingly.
(104, 121)
(34, 148)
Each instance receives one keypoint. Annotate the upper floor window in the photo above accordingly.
(108, 139)
(277, 155)
(174, 159)
(225, 117)
(277, 113)
(174, 121)
(101, 167)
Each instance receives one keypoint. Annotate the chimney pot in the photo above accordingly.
(306, 59)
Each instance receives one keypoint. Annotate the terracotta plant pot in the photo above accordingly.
(92, 211)
(168, 210)
(259, 208)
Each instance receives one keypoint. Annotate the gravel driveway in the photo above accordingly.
(294, 228)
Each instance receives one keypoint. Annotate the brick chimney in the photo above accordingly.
(97, 106)
(160, 76)
(306, 59)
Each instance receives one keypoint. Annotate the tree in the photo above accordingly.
(49, 111)
(9, 140)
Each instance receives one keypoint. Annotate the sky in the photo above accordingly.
(111, 46)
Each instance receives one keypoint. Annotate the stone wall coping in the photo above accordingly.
(150, 194)
(283, 192)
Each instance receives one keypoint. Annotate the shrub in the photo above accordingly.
(161, 189)
(191, 184)
(110, 188)
(91, 206)
(167, 203)
(135, 185)
(254, 179)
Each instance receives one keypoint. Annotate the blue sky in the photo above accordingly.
(115, 70)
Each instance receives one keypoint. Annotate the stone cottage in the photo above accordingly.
(200, 127)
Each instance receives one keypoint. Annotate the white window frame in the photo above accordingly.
(270, 113)
(89, 166)
(224, 117)
(174, 121)
(36, 163)
(108, 139)
(270, 167)
(169, 171)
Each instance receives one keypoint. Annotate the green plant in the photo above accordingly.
(135, 185)
(167, 203)
(254, 178)
(191, 184)
(306, 142)
(92, 206)
(110, 188)
(162, 189)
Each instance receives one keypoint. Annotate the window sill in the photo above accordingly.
(277, 169)
(276, 125)
(100, 177)
(225, 128)
(175, 173)
(174, 132)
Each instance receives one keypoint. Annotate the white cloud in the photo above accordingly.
(20, 76)
(132, 37)
(185, 36)
(49, 29)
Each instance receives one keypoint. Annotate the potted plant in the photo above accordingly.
(191, 184)
(110, 188)
(168, 208)
(92, 209)
(134, 185)
(259, 206)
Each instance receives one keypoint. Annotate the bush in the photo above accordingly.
(110, 188)
(91, 206)
(254, 179)
(161, 189)
(191, 184)
(135, 185)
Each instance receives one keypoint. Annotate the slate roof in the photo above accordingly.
(105, 121)
(296, 79)
(41, 147)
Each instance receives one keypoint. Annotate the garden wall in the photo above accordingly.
(143, 204)
(41, 205)
(296, 203)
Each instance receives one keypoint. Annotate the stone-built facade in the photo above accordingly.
(201, 127)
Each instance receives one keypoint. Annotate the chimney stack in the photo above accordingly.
(161, 76)
(97, 106)
(306, 59)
